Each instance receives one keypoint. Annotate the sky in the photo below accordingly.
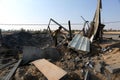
(40, 12)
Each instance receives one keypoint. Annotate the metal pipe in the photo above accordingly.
(69, 24)
(59, 24)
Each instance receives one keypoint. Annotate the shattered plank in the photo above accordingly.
(51, 71)
(9, 76)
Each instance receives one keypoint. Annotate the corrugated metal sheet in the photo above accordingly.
(80, 43)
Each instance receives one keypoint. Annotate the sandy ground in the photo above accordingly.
(112, 32)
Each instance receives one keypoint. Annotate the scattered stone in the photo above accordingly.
(98, 67)
(77, 59)
(71, 65)
(29, 76)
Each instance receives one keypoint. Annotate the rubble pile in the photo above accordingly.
(12, 47)
(85, 55)
(77, 66)
(19, 39)
(28, 73)
(101, 63)
(8, 58)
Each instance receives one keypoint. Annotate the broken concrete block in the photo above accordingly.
(51, 71)
(113, 68)
(77, 59)
(98, 67)
(31, 53)
(51, 53)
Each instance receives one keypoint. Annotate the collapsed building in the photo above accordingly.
(86, 55)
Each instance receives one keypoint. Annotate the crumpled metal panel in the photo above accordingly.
(80, 43)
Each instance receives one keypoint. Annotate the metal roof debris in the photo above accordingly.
(80, 43)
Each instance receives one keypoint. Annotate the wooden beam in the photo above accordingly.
(9, 76)
(51, 71)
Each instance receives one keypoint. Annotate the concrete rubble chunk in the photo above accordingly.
(51, 71)
(98, 67)
(113, 68)
(77, 59)
(31, 53)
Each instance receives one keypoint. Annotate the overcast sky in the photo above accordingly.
(40, 11)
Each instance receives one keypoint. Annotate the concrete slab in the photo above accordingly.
(31, 53)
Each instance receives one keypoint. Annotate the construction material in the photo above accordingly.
(70, 33)
(51, 71)
(96, 29)
(9, 76)
(87, 76)
(57, 24)
(31, 53)
(80, 43)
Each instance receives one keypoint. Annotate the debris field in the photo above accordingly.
(63, 54)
